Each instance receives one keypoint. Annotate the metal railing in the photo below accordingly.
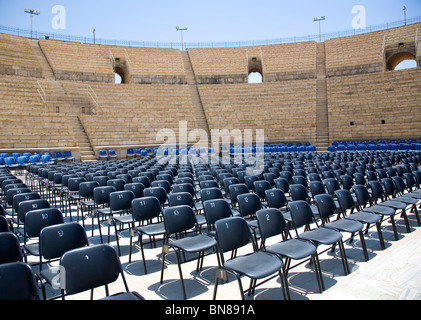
(223, 44)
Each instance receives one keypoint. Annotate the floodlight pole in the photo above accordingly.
(404, 12)
(32, 12)
(181, 29)
(320, 27)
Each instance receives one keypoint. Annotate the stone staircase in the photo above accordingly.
(322, 119)
(82, 140)
(197, 102)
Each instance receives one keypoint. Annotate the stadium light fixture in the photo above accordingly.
(182, 29)
(32, 12)
(404, 12)
(320, 27)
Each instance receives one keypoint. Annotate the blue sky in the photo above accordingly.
(207, 21)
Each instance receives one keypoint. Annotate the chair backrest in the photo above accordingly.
(4, 225)
(301, 214)
(208, 184)
(282, 184)
(260, 187)
(14, 191)
(360, 179)
(73, 183)
(158, 192)
(216, 209)
(57, 239)
(226, 182)
(377, 191)
(102, 194)
(17, 282)
(118, 184)
(276, 198)
(249, 181)
(211, 193)
(136, 187)
(184, 187)
(390, 187)
(271, 223)
(102, 180)
(317, 187)
(325, 205)
(180, 198)
(36, 220)
(163, 184)
(178, 219)
(332, 185)
(18, 198)
(232, 233)
(125, 176)
(237, 189)
(121, 200)
(298, 192)
(90, 267)
(28, 205)
(146, 208)
(411, 180)
(347, 181)
(143, 180)
(249, 204)
(363, 197)
(86, 189)
(10, 250)
(346, 201)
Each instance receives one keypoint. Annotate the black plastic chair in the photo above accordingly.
(158, 192)
(178, 221)
(35, 221)
(120, 212)
(54, 241)
(86, 198)
(101, 205)
(379, 198)
(347, 203)
(136, 187)
(185, 198)
(395, 190)
(272, 223)
(366, 204)
(10, 249)
(17, 282)
(4, 224)
(327, 208)
(146, 210)
(215, 209)
(260, 188)
(26, 206)
(234, 233)
(235, 190)
(302, 215)
(91, 267)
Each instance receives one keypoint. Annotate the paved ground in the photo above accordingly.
(390, 274)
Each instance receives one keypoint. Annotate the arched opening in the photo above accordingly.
(406, 64)
(120, 76)
(401, 60)
(255, 77)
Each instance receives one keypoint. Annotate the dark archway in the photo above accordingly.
(394, 60)
(120, 74)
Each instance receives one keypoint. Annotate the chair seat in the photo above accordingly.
(384, 210)
(293, 248)
(365, 217)
(152, 229)
(251, 265)
(322, 235)
(201, 219)
(196, 243)
(32, 248)
(407, 200)
(126, 218)
(346, 225)
(393, 204)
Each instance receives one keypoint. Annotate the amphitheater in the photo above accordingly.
(338, 104)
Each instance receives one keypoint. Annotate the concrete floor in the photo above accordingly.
(390, 274)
